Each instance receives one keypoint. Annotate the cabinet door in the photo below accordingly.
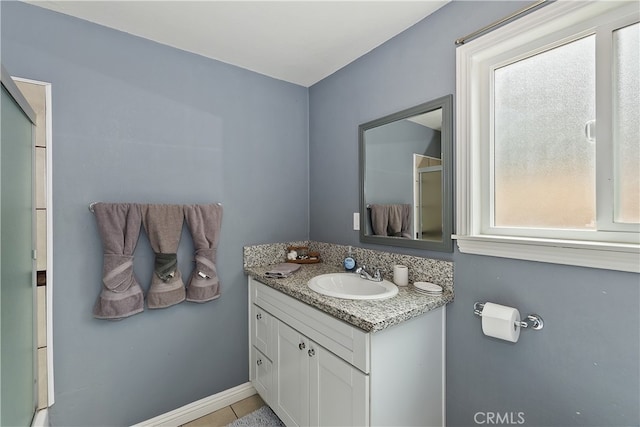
(261, 374)
(291, 370)
(338, 392)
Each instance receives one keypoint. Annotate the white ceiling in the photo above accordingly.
(299, 41)
(432, 119)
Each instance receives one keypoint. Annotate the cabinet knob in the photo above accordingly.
(301, 346)
(259, 362)
(311, 352)
(259, 316)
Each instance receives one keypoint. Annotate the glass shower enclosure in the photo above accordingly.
(18, 397)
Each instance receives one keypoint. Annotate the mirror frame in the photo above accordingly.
(446, 244)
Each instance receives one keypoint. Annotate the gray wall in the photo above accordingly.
(136, 121)
(128, 111)
(582, 368)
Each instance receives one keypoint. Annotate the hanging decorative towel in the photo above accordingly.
(163, 224)
(204, 223)
(119, 228)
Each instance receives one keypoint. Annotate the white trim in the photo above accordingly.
(8, 82)
(201, 407)
(49, 159)
(41, 419)
(583, 254)
(49, 192)
(609, 189)
(470, 59)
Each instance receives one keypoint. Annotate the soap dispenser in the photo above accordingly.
(349, 261)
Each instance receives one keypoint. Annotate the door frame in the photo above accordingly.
(417, 191)
(49, 220)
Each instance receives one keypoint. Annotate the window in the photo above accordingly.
(548, 137)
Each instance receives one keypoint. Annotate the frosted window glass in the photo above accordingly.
(626, 123)
(544, 165)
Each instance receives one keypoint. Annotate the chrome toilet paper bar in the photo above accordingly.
(532, 321)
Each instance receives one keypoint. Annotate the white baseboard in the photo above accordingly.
(201, 407)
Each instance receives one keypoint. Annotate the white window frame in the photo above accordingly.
(552, 25)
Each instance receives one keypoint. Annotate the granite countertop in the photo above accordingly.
(368, 315)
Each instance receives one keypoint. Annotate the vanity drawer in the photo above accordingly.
(261, 374)
(346, 341)
(261, 330)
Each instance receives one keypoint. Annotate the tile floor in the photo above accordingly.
(229, 414)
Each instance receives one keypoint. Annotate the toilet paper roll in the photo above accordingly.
(501, 322)
(400, 275)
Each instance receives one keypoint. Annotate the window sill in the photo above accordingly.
(609, 256)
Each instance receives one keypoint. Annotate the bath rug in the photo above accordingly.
(261, 417)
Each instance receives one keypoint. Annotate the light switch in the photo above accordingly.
(356, 220)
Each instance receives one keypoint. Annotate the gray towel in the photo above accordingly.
(406, 220)
(282, 270)
(394, 227)
(119, 228)
(399, 220)
(391, 220)
(204, 223)
(163, 224)
(379, 219)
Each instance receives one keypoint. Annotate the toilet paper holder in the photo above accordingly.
(532, 321)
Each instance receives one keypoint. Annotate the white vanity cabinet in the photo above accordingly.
(315, 387)
(313, 369)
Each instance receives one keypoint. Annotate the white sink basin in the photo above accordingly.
(351, 286)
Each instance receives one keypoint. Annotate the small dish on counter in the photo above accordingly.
(428, 288)
(302, 255)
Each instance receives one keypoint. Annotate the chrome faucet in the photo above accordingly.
(362, 271)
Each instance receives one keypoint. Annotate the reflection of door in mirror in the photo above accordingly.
(428, 197)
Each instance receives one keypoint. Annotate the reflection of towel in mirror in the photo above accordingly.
(379, 219)
(119, 227)
(391, 220)
(394, 228)
(163, 224)
(282, 270)
(204, 223)
(399, 220)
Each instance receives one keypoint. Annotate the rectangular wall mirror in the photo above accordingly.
(406, 172)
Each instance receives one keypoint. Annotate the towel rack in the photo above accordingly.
(92, 204)
(532, 321)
